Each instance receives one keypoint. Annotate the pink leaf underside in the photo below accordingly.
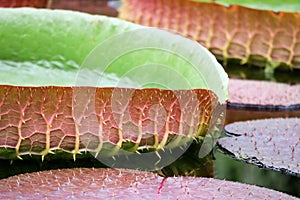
(125, 184)
(34, 118)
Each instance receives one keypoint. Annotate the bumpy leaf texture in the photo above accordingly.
(269, 143)
(259, 37)
(263, 95)
(124, 184)
(40, 120)
(251, 99)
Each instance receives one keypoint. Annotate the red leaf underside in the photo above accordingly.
(38, 120)
(258, 37)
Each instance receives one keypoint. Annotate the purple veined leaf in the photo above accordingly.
(269, 143)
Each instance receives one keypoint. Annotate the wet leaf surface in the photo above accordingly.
(268, 143)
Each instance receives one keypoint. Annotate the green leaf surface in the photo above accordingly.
(43, 47)
(58, 49)
(54, 47)
(275, 5)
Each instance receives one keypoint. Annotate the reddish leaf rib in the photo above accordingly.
(38, 120)
(235, 32)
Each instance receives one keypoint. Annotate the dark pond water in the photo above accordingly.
(285, 75)
(219, 164)
(231, 169)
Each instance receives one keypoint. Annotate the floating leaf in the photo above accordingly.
(269, 143)
(228, 32)
(262, 95)
(124, 184)
(250, 99)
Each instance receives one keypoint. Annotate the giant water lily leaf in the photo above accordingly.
(124, 184)
(270, 143)
(274, 100)
(230, 33)
(75, 82)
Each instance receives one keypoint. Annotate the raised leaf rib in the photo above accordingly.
(259, 37)
(39, 120)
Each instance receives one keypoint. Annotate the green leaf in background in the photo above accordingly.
(275, 5)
